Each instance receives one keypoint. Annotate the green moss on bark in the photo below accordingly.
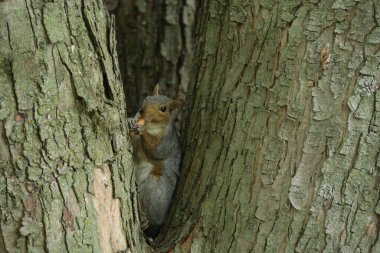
(61, 116)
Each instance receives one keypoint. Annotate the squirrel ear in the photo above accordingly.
(176, 103)
(156, 88)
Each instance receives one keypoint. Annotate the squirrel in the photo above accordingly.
(156, 155)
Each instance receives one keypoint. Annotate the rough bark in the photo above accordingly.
(282, 130)
(154, 46)
(65, 164)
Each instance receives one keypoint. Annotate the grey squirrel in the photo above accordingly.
(156, 155)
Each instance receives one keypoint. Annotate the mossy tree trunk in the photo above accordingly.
(65, 163)
(282, 131)
(154, 45)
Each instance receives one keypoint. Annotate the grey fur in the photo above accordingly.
(155, 192)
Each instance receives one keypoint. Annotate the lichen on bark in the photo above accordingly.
(282, 138)
(62, 124)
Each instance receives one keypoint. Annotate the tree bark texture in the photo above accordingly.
(154, 46)
(282, 130)
(65, 163)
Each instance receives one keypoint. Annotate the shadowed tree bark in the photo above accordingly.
(281, 136)
(65, 164)
(154, 45)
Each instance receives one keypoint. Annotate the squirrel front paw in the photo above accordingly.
(139, 129)
(131, 123)
(135, 127)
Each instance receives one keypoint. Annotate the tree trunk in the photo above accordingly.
(66, 174)
(282, 130)
(154, 46)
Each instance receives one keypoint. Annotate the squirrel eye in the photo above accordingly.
(142, 111)
(163, 108)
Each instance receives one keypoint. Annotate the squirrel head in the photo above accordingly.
(159, 109)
